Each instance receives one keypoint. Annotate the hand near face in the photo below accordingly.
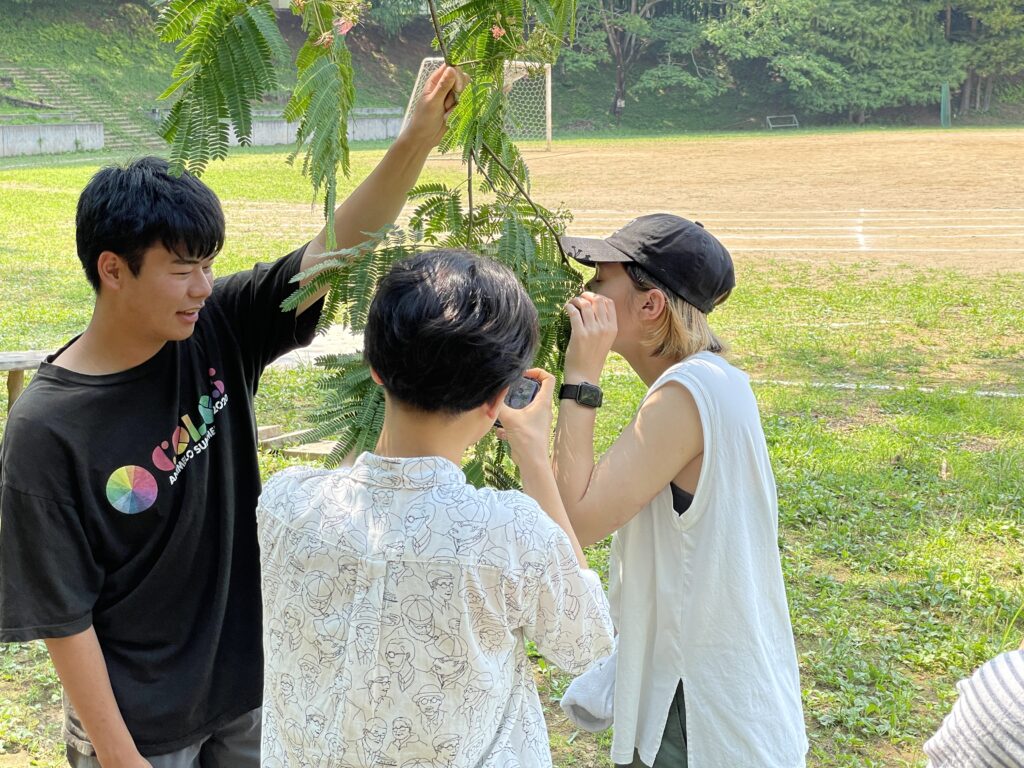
(594, 328)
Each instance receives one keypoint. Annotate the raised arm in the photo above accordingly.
(83, 673)
(378, 200)
(664, 437)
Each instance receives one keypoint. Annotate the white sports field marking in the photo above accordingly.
(837, 325)
(839, 249)
(960, 212)
(617, 218)
(876, 250)
(854, 386)
(1017, 226)
(862, 242)
(811, 225)
(860, 236)
(852, 323)
(857, 227)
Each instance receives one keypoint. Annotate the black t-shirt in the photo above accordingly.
(127, 502)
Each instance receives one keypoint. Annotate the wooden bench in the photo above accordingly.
(16, 363)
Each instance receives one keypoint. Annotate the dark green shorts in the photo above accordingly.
(672, 752)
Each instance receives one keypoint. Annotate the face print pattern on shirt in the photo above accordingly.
(397, 598)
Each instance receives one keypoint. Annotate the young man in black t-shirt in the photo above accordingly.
(128, 470)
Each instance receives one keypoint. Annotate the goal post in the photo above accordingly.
(527, 90)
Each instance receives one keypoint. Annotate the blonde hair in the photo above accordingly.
(682, 329)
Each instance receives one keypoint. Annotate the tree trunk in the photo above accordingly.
(988, 92)
(615, 39)
(965, 93)
(619, 100)
(977, 94)
(949, 18)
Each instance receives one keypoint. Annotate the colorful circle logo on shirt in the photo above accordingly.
(131, 489)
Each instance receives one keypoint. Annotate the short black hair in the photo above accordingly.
(448, 330)
(127, 209)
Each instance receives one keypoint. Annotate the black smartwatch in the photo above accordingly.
(583, 393)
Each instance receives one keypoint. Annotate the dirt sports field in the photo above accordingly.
(952, 199)
(934, 199)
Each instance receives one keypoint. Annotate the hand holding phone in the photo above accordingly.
(520, 395)
(527, 412)
(522, 392)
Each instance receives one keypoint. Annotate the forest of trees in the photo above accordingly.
(848, 57)
(830, 56)
(844, 58)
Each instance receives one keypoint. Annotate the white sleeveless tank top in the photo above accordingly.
(700, 598)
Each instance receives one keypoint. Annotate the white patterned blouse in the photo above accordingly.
(397, 599)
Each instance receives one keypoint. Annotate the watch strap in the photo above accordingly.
(568, 391)
(572, 392)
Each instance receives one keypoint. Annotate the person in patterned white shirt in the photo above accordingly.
(407, 593)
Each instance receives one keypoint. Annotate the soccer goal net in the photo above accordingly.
(527, 93)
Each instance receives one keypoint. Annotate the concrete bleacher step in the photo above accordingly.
(284, 439)
(267, 432)
(121, 131)
(291, 444)
(311, 451)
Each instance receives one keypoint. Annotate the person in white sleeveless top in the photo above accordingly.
(707, 674)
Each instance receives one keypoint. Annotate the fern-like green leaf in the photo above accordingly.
(176, 18)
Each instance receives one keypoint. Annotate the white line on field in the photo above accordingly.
(756, 249)
(854, 386)
(862, 243)
(849, 324)
(821, 225)
(877, 250)
(861, 240)
(852, 323)
(960, 212)
(1018, 226)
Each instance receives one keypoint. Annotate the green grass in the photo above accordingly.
(110, 47)
(901, 512)
(29, 704)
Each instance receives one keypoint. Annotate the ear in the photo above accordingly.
(376, 378)
(112, 270)
(493, 406)
(653, 304)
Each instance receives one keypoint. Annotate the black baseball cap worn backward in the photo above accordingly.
(678, 253)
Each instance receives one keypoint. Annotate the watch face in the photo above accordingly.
(589, 395)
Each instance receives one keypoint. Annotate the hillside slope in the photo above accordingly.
(111, 50)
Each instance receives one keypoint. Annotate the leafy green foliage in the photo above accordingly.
(230, 54)
(352, 411)
(321, 101)
(482, 35)
(829, 56)
(656, 46)
(843, 55)
(393, 15)
(230, 51)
